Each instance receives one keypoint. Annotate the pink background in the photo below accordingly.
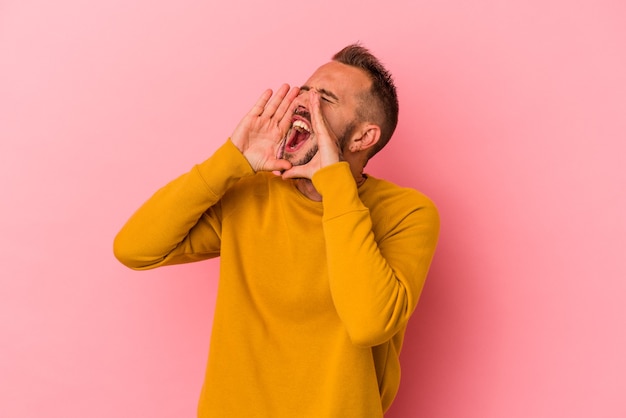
(513, 119)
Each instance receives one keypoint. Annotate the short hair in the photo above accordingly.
(384, 110)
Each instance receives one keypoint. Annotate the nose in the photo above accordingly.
(302, 100)
(302, 112)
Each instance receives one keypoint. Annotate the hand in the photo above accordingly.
(328, 147)
(260, 132)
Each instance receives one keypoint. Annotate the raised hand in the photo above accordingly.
(260, 132)
(328, 148)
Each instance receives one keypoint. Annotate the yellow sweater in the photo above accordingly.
(313, 298)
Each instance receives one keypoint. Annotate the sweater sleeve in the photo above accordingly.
(181, 222)
(375, 285)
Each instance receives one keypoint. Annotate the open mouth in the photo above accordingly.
(299, 133)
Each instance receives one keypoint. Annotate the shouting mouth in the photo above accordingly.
(297, 136)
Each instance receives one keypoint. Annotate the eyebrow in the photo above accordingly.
(322, 91)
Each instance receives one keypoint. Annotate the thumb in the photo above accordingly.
(296, 172)
(278, 165)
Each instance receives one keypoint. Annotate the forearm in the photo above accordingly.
(164, 229)
(375, 284)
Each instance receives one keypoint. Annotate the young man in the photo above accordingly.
(321, 265)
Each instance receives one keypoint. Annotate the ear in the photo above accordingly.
(364, 138)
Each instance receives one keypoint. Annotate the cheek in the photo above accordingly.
(332, 116)
(336, 123)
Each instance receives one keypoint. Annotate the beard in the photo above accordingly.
(304, 160)
(341, 142)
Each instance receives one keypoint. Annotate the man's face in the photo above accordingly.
(340, 86)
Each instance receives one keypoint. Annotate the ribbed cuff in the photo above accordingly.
(338, 189)
(224, 168)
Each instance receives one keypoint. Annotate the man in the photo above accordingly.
(321, 264)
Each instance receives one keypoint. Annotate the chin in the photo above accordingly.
(302, 157)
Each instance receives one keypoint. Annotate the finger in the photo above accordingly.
(286, 103)
(303, 171)
(317, 119)
(278, 166)
(296, 172)
(326, 139)
(322, 131)
(258, 107)
(275, 101)
(285, 121)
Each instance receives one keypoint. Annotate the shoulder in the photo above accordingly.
(382, 193)
(391, 205)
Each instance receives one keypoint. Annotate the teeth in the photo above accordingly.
(300, 124)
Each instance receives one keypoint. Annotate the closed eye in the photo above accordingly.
(326, 95)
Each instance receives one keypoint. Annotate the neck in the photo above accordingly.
(305, 186)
